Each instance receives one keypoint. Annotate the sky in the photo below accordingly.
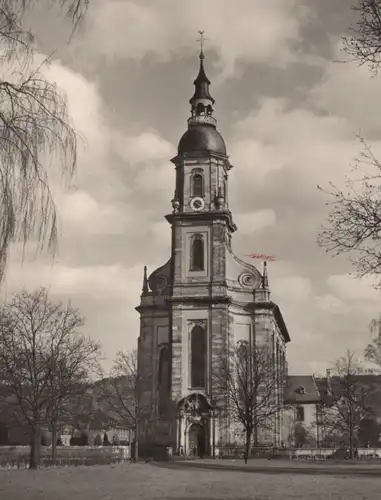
(289, 112)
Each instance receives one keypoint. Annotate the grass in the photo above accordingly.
(153, 482)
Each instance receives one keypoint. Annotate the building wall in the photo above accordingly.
(290, 421)
(220, 296)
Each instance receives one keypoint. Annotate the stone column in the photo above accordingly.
(282, 382)
(212, 437)
(178, 433)
(186, 435)
(216, 435)
(280, 392)
(277, 385)
(274, 358)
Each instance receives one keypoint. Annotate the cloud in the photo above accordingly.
(285, 142)
(101, 204)
(277, 137)
(349, 91)
(161, 232)
(86, 113)
(91, 206)
(104, 294)
(82, 214)
(297, 288)
(103, 282)
(281, 152)
(329, 303)
(348, 288)
(143, 149)
(268, 31)
(250, 222)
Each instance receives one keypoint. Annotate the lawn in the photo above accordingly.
(146, 481)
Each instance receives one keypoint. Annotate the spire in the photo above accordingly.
(201, 84)
(202, 102)
(262, 293)
(265, 278)
(145, 282)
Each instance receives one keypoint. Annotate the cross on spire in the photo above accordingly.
(201, 40)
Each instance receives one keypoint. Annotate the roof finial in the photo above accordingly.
(265, 278)
(201, 40)
(145, 281)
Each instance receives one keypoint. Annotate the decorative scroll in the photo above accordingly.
(246, 280)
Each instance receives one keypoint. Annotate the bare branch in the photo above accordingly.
(364, 42)
(354, 221)
(123, 391)
(349, 400)
(43, 356)
(34, 126)
(249, 383)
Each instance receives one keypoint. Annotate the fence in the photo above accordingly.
(298, 453)
(329, 453)
(17, 457)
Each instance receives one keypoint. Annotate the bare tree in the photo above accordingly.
(363, 43)
(123, 391)
(349, 400)
(34, 128)
(73, 360)
(248, 380)
(42, 357)
(354, 221)
(373, 351)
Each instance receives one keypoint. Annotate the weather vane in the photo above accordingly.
(201, 40)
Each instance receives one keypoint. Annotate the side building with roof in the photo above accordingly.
(304, 404)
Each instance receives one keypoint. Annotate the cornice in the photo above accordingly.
(205, 300)
(151, 307)
(220, 299)
(220, 215)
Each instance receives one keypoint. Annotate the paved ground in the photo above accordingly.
(285, 466)
(161, 482)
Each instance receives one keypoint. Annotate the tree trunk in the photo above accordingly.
(247, 445)
(34, 461)
(350, 434)
(256, 436)
(136, 439)
(54, 442)
(351, 443)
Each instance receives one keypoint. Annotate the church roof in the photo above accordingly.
(301, 389)
(201, 84)
(202, 135)
(202, 138)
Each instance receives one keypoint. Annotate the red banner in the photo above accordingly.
(261, 256)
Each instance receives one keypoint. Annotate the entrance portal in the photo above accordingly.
(197, 440)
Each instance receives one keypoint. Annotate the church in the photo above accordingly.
(201, 301)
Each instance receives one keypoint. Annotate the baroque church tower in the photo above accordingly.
(202, 302)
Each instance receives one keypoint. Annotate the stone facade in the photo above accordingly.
(202, 302)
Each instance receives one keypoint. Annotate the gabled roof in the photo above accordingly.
(370, 383)
(301, 389)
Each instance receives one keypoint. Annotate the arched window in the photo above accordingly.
(200, 109)
(198, 357)
(242, 352)
(197, 253)
(198, 185)
(163, 379)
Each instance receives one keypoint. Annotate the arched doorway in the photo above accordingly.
(197, 440)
